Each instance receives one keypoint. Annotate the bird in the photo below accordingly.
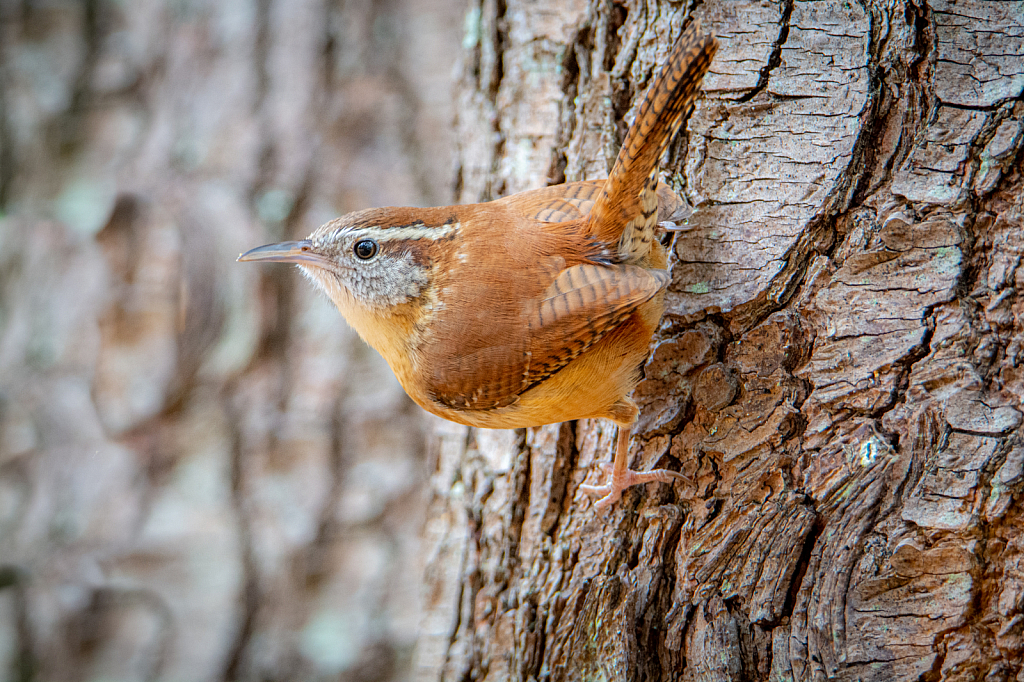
(532, 309)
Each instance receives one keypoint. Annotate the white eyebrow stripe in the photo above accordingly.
(409, 232)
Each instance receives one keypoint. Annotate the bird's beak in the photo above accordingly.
(301, 253)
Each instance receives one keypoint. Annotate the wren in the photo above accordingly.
(532, 309)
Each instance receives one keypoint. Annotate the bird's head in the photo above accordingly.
(377, 259)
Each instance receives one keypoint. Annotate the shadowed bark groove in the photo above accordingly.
(837, 369)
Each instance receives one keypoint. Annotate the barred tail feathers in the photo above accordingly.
(626, 210)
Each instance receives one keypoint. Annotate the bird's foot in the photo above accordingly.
(618, 481)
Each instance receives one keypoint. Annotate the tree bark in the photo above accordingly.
(838, 367)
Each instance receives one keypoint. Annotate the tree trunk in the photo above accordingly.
(837, 368)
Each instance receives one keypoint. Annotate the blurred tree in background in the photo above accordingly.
(204, 474)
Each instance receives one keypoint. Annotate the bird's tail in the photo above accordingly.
(627, 208)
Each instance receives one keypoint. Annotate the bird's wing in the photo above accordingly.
(525, 343)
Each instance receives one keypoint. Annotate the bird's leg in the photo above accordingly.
(622, 477)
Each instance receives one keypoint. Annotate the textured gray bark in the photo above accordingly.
(838, 368)
(204, 474)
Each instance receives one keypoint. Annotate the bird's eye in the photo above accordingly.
(365, 249)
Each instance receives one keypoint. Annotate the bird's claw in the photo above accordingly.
(618, 482)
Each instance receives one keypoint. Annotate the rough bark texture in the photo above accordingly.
(204, 474)
(838, 369)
